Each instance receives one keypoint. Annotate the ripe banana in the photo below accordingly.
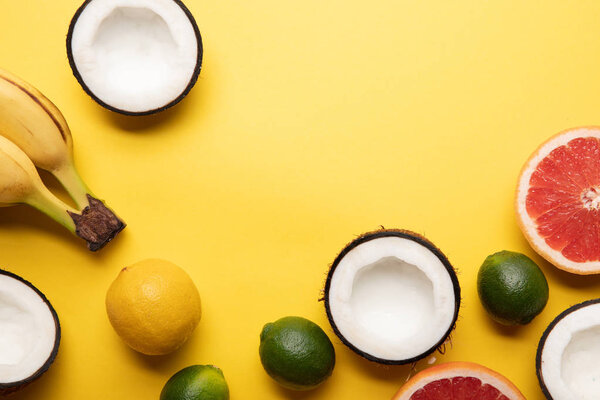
(33, 123)
(21, 183)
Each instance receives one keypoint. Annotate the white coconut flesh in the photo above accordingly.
(27, 331)
(392, 298)
(570, 356)
(135, 55)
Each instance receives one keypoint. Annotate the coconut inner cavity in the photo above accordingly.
(392, 299)
(135, 50)
(580, 369)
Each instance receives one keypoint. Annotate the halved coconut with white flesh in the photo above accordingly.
(392, 297)
(135, 57)
(568, 353)
(29, 333)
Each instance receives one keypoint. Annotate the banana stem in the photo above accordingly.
(96, 224)
(68, 176)
(46, 202)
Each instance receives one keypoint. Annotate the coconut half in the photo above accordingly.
(29, 333)
(392, 297)
(568, 353)
(135, 57)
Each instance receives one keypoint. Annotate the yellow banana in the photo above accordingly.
(21, 183)
(33, 123)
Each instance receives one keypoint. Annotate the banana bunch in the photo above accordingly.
(34, 133)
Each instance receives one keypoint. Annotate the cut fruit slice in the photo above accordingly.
(29, 334)
(135, 57)
(568, 353)
(392, 297)
(558, 200)
(458, 381)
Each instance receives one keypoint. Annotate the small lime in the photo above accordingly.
(198, 382)
(296, 353)
(512, 288)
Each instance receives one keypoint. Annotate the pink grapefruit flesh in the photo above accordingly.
(459, 388)
(558, 200)
(458, 381)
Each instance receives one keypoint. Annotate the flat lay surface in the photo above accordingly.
(311, 123)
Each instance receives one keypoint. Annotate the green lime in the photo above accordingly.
(512, 288)
(296, 353)
(198, 382)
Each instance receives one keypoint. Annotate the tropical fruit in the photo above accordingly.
(296, 353)
(153, 306)
(567, 355)
(558, 200)
(20, 183)
(512, 288)
(34, 133)
(196, 382)
(135, 57)
(29, 333)
(458, 381)
(392, 296)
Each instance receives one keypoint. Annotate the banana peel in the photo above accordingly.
(34, 133)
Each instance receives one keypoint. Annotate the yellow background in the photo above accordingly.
(313, 121)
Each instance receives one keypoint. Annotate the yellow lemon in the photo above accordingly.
(153, 306)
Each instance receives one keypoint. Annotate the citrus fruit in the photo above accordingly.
(197, 382)
(296, 353)
(512, 288)
(153, 306)
(558, 200)
(458, 381)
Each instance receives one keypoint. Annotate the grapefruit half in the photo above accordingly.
(558, 200)
(458, 381)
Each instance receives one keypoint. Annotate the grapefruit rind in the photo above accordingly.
(528, 225)
(459, 369)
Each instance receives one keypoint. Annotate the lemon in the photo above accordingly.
(153, 306)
